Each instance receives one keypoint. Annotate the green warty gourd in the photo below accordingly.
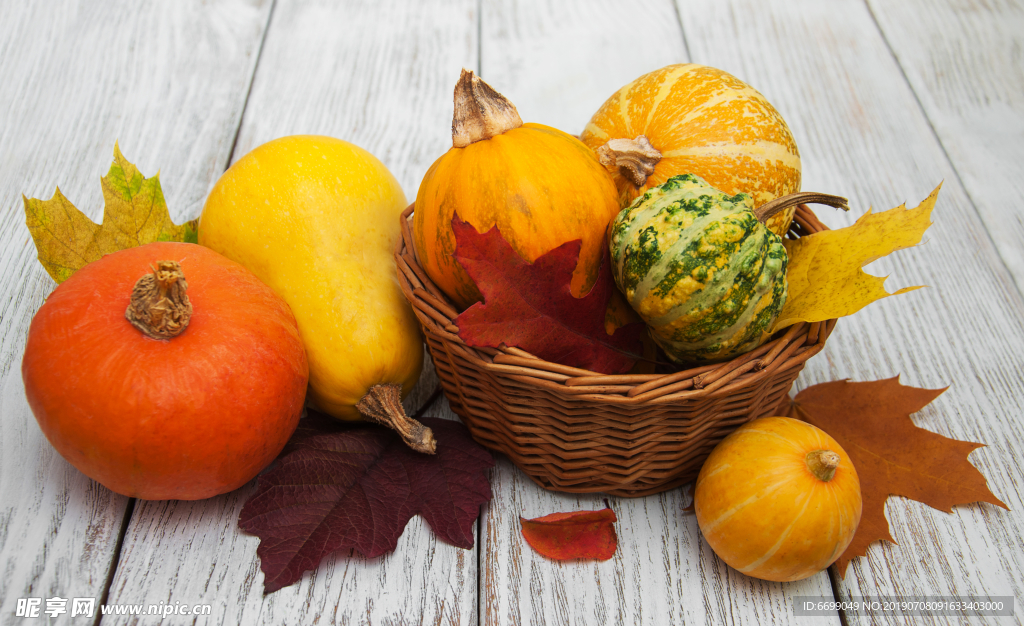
(700, 268)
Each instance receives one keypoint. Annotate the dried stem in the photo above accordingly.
(480, 112)
(383, 404)
(634, 158)
(823, 464)
(159, 306)
(772, 207)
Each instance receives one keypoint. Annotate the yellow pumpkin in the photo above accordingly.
(778, 499)
(540, 186)
(317, 220)
(694, 119)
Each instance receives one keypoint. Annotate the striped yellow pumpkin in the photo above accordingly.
(778, 499)
(694, 119)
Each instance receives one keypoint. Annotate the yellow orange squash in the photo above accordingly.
(778, 499)
(694, 119)
(540, 186)
(316, 218)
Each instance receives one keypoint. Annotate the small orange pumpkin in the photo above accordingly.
(778, 499)
(181, 385)
(694, 119)
(540, 186)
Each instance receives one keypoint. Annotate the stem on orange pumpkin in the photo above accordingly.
(822, 463)
(772, 207)
(383, 404)
(480, 112)
(159, 306)
(634, 158)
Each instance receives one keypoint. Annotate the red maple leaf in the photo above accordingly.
(529, 305)
(577, 535)
(336, 487)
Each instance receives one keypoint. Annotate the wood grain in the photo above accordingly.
(663, 572)
(381, 76)
(862, 134)
(169, 82)
(558, 62)
(965, 63)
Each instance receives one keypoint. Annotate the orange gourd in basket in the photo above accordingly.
(778, 499)
(540, 186)
(694, 119)
(181, 385)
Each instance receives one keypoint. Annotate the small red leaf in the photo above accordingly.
(529, 305)
(577, 535)
(337, 487)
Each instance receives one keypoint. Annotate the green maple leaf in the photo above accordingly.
(134, 214)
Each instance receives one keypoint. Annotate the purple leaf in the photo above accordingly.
(337, 487)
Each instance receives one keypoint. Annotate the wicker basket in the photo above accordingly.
(578, 431)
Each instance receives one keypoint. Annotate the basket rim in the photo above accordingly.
(789, 348)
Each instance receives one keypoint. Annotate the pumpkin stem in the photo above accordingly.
(822, 463)
(159, 306)
(480, 112)
(772, 207)
(634, 158)
(383, 404)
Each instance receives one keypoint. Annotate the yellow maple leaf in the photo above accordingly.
(134, 213)
(825, 276)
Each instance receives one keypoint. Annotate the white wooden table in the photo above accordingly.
(886, 99)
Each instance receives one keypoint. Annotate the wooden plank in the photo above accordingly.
(558, 62)
(333, 69)
(963, 60)
(386, 88)
(169, 82)
(663, 572)
(862, 134)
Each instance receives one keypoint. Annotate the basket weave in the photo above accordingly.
(579, 431)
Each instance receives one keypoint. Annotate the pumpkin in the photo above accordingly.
(700, 267)
(693, 119)
(778, 499)
(316, 218)
(165, 371)
(540, 186)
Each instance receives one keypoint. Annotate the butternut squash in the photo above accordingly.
(316, 219)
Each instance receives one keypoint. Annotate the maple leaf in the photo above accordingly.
(336, 487)
(529, 305)
(577, 535)
(824, 274)
(134, 213)
(871, 421)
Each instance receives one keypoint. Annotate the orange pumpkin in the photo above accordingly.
(184, 417)
(693, 119)
(540, 186)
(778, 499)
